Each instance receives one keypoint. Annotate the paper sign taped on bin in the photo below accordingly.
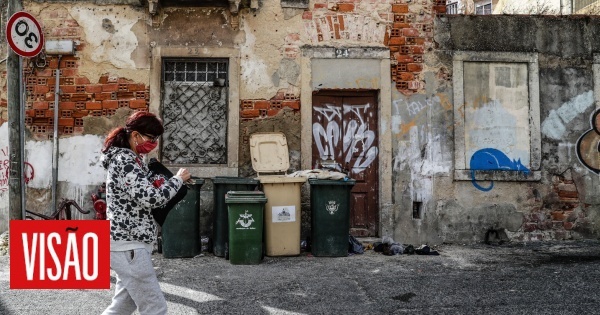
(283, 214)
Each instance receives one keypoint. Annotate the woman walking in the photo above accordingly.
(130, 197)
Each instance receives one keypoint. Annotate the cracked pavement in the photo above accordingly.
(515, 278)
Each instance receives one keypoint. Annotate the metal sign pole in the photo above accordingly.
(22, 135)
(13, 69)
(25, 37)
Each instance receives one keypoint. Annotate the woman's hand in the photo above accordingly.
(184, 174)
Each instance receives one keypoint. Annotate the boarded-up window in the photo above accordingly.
(496, 107)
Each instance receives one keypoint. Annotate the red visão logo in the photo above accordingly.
(59, 254)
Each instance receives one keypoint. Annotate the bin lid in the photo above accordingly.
(245, 200)
(269, 152)
(196, 181)
(317, 181)
(245, 197)
(234, 180)
(244, 193)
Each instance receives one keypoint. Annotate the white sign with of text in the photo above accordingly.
(284, 214)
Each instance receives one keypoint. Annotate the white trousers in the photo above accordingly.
(137, 285)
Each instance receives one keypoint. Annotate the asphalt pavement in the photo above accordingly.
(514, 278)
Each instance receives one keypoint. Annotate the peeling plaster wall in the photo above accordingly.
(282, 50)
(264, 69)
(423, 154)
(79, 172)
(112, 46)
(114, 37)
(212, 28)
(563, 203)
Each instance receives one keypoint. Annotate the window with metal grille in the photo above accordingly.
(194, 109)
(194, 71)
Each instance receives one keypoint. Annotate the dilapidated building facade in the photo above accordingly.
(451, 125)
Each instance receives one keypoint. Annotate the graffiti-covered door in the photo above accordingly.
(345, 132)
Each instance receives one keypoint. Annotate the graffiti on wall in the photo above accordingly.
(555, 125)
(357, 139)
(588, 145)
(28, 172)
(490, 159)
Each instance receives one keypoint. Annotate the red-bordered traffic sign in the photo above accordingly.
(24, 34)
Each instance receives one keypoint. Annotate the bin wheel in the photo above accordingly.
(226, 251)
(159, 245)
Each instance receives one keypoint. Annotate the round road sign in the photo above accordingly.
(24, 34)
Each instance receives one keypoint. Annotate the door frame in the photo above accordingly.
(380, 79)
(360, 185)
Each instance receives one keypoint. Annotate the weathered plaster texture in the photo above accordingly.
(562, 204)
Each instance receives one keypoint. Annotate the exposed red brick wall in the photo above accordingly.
(331, 21)
(561, 212)
(261, 108)
(409, 36)
(78, 97)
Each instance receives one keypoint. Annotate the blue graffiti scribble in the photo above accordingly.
(493, 160)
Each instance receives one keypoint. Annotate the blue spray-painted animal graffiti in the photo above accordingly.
(490, 159)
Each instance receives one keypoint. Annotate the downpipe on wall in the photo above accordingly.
(59, 48)
(55, 136)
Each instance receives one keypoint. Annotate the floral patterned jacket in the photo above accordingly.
(131, 194)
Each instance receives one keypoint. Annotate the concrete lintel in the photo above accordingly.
(495, 56)
(353, 52)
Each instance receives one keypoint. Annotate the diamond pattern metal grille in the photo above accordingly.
(194, 113)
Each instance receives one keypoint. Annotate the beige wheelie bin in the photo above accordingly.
(269, 153)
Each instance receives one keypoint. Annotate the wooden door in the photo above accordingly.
(345, 131)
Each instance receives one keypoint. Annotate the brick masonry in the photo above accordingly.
(409, 37)
(405, 26)
(331, 21)
(261, 108)
(559, 213)
(78, 97)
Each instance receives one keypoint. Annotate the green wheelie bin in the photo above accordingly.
(246, 212)
(330, 216)
(221, 185)
(180, 234)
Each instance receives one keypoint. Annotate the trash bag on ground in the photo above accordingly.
(425, 250)
(390, 247)
(354, 246)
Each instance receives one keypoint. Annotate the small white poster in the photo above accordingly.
(284, 214)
